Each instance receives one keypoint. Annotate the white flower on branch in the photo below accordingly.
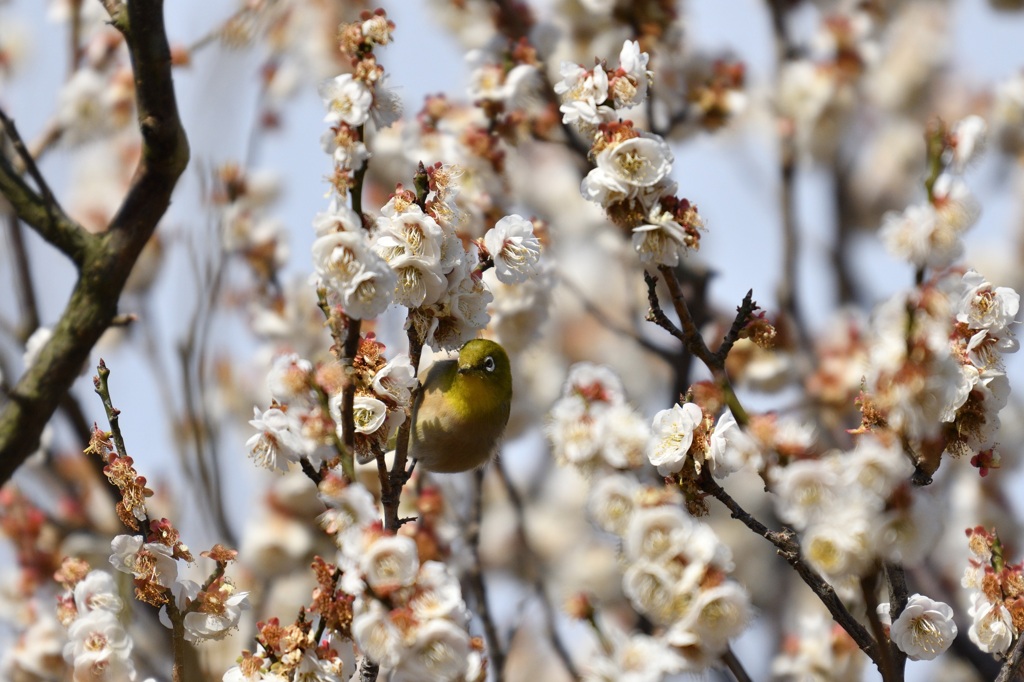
(992, 627)
(277, 441)
(628, 86)
(350, 270)
(347, 100)
(514, 248)
(673, 434)
(97, 591)
(410, 241)
(440, 651)
(583, 95)
(923, 630)
(99, 648)
(390, 563)
(155, 564)
(637, 163)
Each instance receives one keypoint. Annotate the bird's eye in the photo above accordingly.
(489, 363)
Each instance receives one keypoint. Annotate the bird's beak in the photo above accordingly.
(464, 370)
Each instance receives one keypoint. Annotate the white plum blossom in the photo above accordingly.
(634, 658)
(97, 591)
(583, 95)
(988, 308)
(805, 490)
(917, 236)
(636, 164)
(839, 545)
(277, 441)
(514, 248)
(353, 272)
(350, 511)
(461, 312)
(612, 501)
(991, 625)
(338, 217)
(411, 243)
(390, 563)
(368, 414)
(438, 594)
(99, 648)
(717, 615)
(440, 651)
(731, 448)
(623, 434)
(289, 378)
(125, 550)
(218, 610)
(489, 81)
(924, 630)
(347, 100)
(345, 149)
(662, 240)
(395, 380)
(629, 88)
(374, 632)
(653, 533)
(969, 140)
(672, 435)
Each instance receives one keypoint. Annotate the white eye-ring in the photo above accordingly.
(489, 363)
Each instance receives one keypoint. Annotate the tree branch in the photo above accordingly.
(789, 550)
(39, 210)
(107, 259)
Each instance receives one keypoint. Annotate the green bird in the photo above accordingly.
(462, 409)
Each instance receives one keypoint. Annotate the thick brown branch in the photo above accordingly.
(107, 259)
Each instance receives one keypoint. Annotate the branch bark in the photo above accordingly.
(105, 259)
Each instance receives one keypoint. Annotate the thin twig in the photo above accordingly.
(1014, 664)
(475, 578)
(789, 550)
(533, 560)
(869, 594)
(608, 323)
(391, 494)
(734, 665)
(27, 303)
(691, 337)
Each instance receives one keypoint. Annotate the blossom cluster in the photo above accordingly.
(99, 647)
(676, 571)
(935, 372)
(927, 235)
(592, 426)
(685, 432)
(854, 507)
(631, 178)
(407, 611)
(997, 589)
(675, 568)
(305, 422)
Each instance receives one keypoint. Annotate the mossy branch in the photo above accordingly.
(107, 259)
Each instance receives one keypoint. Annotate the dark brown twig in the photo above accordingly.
(734, 665)
(538, 582)
(475, 578)
(789, 550)
(39, 210)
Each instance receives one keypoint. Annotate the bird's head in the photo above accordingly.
(486, 361)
